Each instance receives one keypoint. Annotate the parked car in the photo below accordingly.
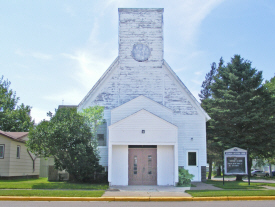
(273, 173)
(259, 173)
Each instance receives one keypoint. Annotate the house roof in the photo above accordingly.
(67, 106)
(16, 136)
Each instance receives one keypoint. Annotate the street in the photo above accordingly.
(124, 204)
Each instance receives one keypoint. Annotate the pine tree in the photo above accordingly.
(240, 108)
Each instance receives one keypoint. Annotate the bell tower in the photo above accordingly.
(141, 37)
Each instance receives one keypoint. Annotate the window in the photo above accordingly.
(101, 140)
(192, 158)
(135, 165)
(149, 164)
(102, 134)
(2, 151)
(18, 152)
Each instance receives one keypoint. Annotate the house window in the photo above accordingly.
(101, 134)
(2, 151)
(101, 140)
(18, 152)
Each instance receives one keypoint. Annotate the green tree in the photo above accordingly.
(94, 117)
(240, 108)
(13, 117)
(214, 151)
(67, 138)
(270, 87)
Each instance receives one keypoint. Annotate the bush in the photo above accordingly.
(184, 178)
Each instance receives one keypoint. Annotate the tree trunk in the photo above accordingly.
(210, 168)
(270, 170)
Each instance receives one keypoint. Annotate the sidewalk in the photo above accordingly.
(155, 191)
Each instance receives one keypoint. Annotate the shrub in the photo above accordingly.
(184, 177)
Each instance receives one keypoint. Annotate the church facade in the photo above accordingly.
(154, 125)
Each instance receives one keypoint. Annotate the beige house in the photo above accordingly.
(15, 159)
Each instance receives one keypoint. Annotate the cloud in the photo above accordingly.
(188, 15)
(93, 59)
(37, 55)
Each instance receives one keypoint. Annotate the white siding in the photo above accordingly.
(136, 105)
(103, 153)
(119, 165)
(129, 130)
(24, 165)
(165, 165)
(12, 166)
(5, 163)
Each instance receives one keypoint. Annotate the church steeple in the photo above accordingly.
(141, 37)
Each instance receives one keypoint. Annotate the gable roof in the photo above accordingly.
(15, 136)
(140, 113)
(138, 103)
(101, 79)
(116, 62)
(186, 90)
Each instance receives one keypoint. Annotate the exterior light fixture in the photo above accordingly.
(143, 131)
(191, 138)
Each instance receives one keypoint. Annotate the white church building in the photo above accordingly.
(154, 125)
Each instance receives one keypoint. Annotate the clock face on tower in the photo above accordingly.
(141, 52)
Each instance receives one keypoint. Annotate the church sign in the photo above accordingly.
(235, 161)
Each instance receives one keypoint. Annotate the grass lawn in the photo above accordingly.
(213, 193)
(53, 193)
(238, 184)
(43, 183)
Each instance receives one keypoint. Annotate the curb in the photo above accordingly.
(225, 198)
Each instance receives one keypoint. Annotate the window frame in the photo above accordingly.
(3, 145)
(18, 152)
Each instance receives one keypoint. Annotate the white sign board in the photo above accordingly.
(235, 161)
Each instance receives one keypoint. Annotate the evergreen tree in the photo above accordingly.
(239, 108)
(270, 131)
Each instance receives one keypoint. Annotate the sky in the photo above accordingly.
(53, 52)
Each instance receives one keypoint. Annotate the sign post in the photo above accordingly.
(235, 161)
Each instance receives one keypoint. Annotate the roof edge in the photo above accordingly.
(98, 82)
(207, 117)
(13, 138)
(135, 113)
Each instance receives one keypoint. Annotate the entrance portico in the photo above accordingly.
(143, 150)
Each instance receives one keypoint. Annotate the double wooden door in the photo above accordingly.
(142, 166)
